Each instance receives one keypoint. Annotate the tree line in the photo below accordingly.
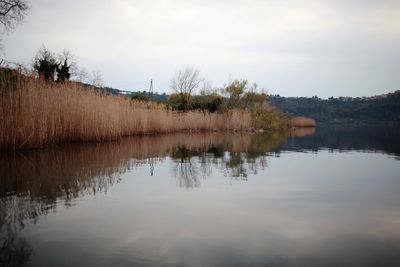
(190, 91)
(381, 108)
(62, 67)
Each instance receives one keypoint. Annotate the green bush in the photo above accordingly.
(269, 118)
(180, 101)
(210, 103)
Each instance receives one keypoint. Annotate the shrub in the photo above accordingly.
(210, 103)
(269, 118)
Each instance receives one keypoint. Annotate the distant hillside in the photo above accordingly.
(382, 108)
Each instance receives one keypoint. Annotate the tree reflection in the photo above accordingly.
(33, 183)
(185, 171)
(236, 156)
(14, 250)
(235, 164)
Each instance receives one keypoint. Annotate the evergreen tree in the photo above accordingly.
(45, 64)
(63, 73)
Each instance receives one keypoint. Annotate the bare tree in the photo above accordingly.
(81, 75)
(184, 83)
(96, 79)
(206, 87)
(12, 12)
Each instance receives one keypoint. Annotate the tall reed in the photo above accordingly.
(35, 113)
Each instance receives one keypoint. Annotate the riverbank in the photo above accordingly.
(35, 113)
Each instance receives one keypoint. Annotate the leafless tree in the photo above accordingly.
(186, 81)
(96, 79)
(206, 87)
(81, 75)
(12, 12)
(186, 173)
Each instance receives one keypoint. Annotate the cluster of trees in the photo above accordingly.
(46, 64)
(236, 94)
(51, 68)
(62, 67)
(382, 108)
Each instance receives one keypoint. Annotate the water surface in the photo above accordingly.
(324, 197)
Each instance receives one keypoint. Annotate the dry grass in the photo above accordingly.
(35, 113)
(302, 122)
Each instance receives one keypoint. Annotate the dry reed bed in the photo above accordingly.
(35, 113)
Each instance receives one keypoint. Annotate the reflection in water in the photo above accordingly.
(31, 182)
(34, 183)
(68, 171)
(372, 137)
(236, 157)
(14, 250)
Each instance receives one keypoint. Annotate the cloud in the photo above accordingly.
(291, 48)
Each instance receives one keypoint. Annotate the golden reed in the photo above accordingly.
(35, 113)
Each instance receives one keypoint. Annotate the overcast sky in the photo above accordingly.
(291, 48)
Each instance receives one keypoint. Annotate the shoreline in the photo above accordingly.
(35, 113)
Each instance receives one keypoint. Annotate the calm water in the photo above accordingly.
(324, 198)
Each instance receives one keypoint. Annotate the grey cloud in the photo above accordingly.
(290, 48)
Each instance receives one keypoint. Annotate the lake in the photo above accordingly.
(313, 197)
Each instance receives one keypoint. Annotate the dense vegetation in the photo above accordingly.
(36, 111)
(382, 108)
(38, 101)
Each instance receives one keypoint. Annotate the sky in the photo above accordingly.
(292, 48)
